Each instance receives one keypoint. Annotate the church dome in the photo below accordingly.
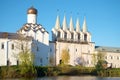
(32, 10)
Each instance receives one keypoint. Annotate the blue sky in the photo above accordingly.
(103, 16)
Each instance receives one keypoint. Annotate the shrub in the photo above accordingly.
(47, 71)
(9, 72)
(109, 72)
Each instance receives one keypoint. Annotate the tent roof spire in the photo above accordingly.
(71, 25)
(64, 23)
(57, 24)
(84, 25)
(78, 25)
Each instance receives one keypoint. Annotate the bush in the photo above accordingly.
(28, 71)
(47, 71)
(41, 71)
(109, 72)
(57, 70)
(9, 72)
(14, 72)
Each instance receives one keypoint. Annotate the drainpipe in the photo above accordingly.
(7, 52)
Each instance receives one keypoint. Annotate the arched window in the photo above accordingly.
(41, 61)
(22, 47)
(85, 37)
(12, 46)
(117, 57)
(111, 57)
(65, 35)
(37, 48)
(60, 61)
(17, 62)
(8, 62)
(72, 35)
(78, 36)
(58, 35)
(2, 46)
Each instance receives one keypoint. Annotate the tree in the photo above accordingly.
(65, 56)
(26, 63)
(101, 55)
(25, 56)
(101, 63)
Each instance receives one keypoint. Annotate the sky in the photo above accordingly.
(102, 16)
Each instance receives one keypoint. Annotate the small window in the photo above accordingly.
(21, 47)
(76, 50)
(12, 46)
(60, 61)
(117, 57)
(87, 61)
(58, 35)
(65, 35)
(17, 62)
(68, 50)
(37, 48)
(50, 50)
(37, 40)
(111, 57)
(85, 37)
(105, 57)
(78, 36)
(2, 46)
(47, 58)
(8, 62)
(41, 60)
(72, 35)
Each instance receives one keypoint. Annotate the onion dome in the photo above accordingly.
(32, 10)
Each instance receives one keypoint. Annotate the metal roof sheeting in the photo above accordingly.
(107, 49)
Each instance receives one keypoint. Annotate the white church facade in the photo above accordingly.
(37, 35)
(75, 40)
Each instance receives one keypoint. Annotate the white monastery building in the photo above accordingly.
(74, 38)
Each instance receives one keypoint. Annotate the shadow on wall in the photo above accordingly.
(41, 52)
(80, 61)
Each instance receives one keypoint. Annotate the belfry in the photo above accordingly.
(75, 40)
(68, 33)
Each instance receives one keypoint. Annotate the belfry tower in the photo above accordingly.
(70, 34)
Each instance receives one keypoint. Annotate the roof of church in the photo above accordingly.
(11, 35)
(71, 26)
(34, 27)
(8, 35)
(32, 10)
(107, 49)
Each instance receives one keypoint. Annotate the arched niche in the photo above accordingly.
(72, 36)
(78, 36)
(85, 37)
(65, 35)
(58, 34)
